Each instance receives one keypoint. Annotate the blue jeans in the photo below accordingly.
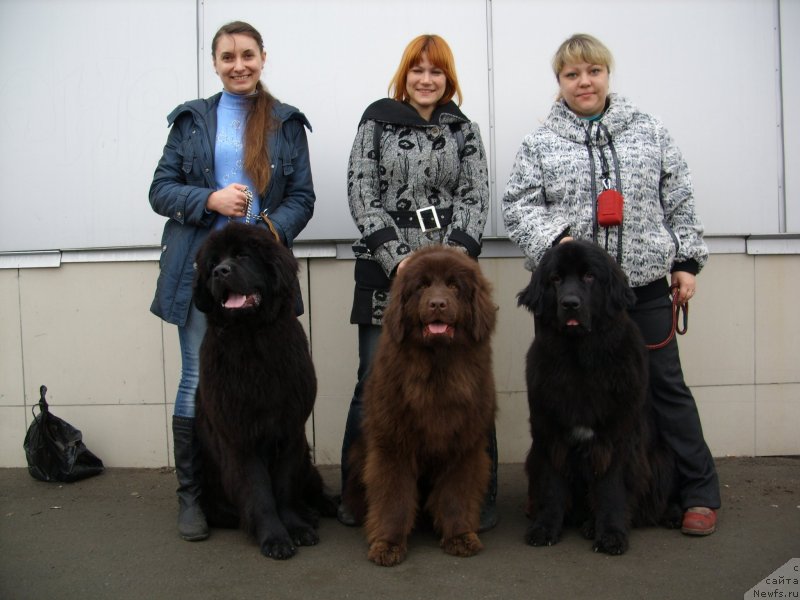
(190, 336)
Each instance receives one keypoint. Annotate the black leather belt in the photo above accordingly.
(428, 218)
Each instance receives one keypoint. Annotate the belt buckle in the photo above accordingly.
(421, 219)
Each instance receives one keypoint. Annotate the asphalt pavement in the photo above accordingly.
(114, 536)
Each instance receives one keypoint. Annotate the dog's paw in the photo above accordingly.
(386, 554)
(539, 535)
(465, 544)
(304, 536)
(613, 542)
(304, 516)
(672, 517)
(278, 548)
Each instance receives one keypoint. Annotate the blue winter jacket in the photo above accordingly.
(184, 179)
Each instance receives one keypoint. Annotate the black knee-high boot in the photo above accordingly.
(192, 524)
(489, 515)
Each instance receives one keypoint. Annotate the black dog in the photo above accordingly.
(257, 389)
(596, 458)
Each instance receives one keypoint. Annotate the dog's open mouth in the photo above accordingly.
(575, 326)
(237, 301)
(437, 328)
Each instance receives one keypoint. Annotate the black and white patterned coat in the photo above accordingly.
(419, 165)
(552, 186)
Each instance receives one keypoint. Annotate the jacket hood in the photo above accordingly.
(388, 110)
(201, 107)
(617, 118)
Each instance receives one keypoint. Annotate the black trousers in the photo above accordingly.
(368, 336)
(676, 413)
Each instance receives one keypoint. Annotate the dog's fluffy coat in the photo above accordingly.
(595, 458)
(257, 389)
(429, 405)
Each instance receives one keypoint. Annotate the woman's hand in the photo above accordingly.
(230, 201)
(401, 265)
(687, 285)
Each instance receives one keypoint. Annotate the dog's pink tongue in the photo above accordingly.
(573, 323)
(437, 328)
(235, 301)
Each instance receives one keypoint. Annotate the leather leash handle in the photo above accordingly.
(677, 308)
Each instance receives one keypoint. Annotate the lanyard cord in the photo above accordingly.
(593, 181)
(614, 157)
(606, 175)
(606, 179)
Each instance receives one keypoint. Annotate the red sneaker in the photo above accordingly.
(699, 520)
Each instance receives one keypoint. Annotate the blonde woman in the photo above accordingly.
(595, 141)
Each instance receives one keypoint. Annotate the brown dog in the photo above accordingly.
(429, 405)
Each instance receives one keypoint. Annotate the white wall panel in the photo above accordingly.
(332, 59)
(707, 69)
(790, 76)
(84, 96)
(85, 87)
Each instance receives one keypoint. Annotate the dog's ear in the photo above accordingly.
(484, 311)
(201, 295)
(393, 322)
(278, 266)
(619, 295)
(529, 296)
(284, 269)
(533, 296)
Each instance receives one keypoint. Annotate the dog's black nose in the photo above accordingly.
(437, 304)
(222, 271)
(570, 303)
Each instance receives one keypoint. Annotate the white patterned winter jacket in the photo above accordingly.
(553, 184)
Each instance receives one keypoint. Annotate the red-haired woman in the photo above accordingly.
(417, 176)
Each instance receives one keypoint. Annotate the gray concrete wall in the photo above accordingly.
(111, 367)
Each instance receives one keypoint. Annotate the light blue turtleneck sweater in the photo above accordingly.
(229, 151)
